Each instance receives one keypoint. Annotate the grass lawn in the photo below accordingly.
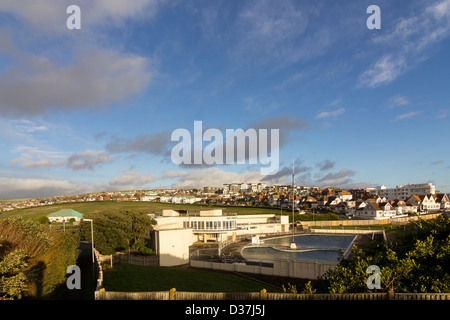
(132, 278)
(152, 207)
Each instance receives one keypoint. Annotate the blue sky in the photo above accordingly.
(93, 109)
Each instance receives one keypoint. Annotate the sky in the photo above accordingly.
(93, 109)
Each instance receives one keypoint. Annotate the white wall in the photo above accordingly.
(173, 246)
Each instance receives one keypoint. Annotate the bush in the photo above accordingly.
(141, 249)
(33, 261)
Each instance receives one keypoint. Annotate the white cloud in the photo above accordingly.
(275, 32)
(408, 43)
(42, 163)
(328, 114)
(399, 100)
(385, 70)
(214, 177)
(50, 16)
(12, 188)
(406, 115)
(132, 178)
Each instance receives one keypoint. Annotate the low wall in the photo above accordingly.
(233, 267)
(367, 222)
(346, 231)
(302, 269)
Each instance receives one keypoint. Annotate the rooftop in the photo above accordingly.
(66, 213)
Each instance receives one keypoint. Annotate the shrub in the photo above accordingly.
(33, 261)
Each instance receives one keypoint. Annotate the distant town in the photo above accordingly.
(370, 203)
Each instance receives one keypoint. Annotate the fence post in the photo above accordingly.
(172, 294)
(263, 294)
(391, 294)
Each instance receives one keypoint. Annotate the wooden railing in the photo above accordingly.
(264, 295)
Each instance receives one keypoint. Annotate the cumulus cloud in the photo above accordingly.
(326, 165)
(339, 178)
(32, 84)
(156, 144)
(88, 159)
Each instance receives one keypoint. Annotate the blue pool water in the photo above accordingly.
(309, 247)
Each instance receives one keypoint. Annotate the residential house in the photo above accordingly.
(429, 203)
(402, 208)
(345, 196)
(424, 203)
(443, 200)
(375, 210)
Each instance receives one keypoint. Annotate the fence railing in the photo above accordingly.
(264, 295)
(151, 260)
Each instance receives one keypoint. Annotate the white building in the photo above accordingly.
(176, 231)
(405, 191)
(65, 215)
(213, 225)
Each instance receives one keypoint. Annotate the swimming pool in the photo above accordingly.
(309, 247)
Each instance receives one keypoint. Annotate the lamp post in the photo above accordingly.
(293, 245)
(92, 241)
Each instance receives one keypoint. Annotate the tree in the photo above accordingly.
(116, 230)
(418, 262)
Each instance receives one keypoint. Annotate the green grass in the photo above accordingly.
(151, 207)
(132, 278)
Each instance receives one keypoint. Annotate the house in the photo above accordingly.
(375, 210)
(429, 203)
(345, 195)
(424, 203)
(65, 215)
(443, 200)
(402, 208)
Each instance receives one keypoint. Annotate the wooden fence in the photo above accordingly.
(264, 295)
(367, 222)
(128, 258)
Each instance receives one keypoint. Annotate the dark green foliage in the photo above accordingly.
(418, 261)
(33, 261)
(116, 230)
